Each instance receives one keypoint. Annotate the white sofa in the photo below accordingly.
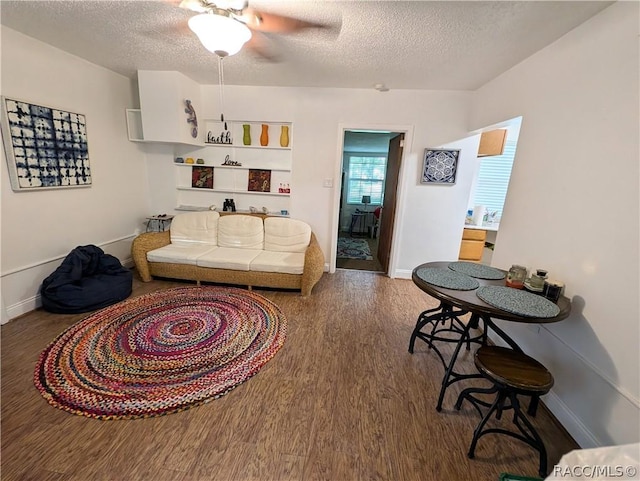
(252, 250)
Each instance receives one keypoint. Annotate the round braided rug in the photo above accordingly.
(160, 353)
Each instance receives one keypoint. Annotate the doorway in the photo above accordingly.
(369, 182)
(490, 184)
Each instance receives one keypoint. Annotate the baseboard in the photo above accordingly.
(561, 413)
(32, 303)
(27, 279)
(570, 422)
(403, 273)
(23, 307)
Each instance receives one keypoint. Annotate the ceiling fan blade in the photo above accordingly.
(203, 6)
(261, 47)
(274, 23)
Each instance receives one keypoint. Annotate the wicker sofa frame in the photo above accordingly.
(148, 241)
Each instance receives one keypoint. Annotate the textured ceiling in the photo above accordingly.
(417, 44)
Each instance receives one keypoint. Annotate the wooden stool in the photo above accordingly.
(512, 373)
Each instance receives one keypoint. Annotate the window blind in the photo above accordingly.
(493, 179)
(366, 177)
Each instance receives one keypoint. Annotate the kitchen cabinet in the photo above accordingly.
(472, 245)
(492, 142)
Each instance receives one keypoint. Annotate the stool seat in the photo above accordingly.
(512, 373)
(513, 369)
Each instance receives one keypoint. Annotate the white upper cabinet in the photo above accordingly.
(163, 106)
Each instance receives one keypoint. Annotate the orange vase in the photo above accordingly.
(264, 136)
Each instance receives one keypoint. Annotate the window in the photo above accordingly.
(493, 179)
(366, 177)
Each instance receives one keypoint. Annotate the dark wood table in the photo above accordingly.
(443, 323)
(360, 222)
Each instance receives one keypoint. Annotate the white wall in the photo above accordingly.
(572, 208)
(432, 217)
(40, 228)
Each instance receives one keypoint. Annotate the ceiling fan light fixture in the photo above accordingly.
(231, 4)
(220, 34)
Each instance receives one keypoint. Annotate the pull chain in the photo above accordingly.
(221, 84)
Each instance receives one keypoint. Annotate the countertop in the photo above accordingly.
(485, 226)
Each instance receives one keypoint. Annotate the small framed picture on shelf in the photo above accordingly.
(259, 180)
(202, 177)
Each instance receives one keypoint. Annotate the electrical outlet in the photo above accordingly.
(327, 183)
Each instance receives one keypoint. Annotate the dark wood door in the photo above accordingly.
(388, 215)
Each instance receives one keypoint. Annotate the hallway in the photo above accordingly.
(360, 264)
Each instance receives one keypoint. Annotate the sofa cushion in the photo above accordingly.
(195, 228)
(241, 232)
(281, 262)
(179, 253)
(229, 258)
(286, 235)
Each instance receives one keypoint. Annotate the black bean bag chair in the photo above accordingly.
(88, 279)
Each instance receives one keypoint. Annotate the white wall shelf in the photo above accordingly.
(233, 191)
(191, 208)
(235, 146)
(134, 125)
(231, 167)
(198, 208)
(233, 180)
(215, 129)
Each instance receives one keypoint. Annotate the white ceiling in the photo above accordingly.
(451, 45)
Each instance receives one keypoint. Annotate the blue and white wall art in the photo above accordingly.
(439, 166)
(45, 147)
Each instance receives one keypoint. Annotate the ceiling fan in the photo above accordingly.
(224, 26)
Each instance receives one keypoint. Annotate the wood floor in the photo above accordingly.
(342, 400)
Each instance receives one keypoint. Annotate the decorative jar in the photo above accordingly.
(516, 276)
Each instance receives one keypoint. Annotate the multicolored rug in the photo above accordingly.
(160, 353)
(349, 248)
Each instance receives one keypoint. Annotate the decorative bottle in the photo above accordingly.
(284, 136)
(264, 136)
(516, 276)
(246, 138)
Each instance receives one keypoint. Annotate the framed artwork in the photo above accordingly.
(202, 177)
(259, 180)
(439, 166)
(45, 148)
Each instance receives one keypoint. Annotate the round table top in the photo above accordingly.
(469, 301)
